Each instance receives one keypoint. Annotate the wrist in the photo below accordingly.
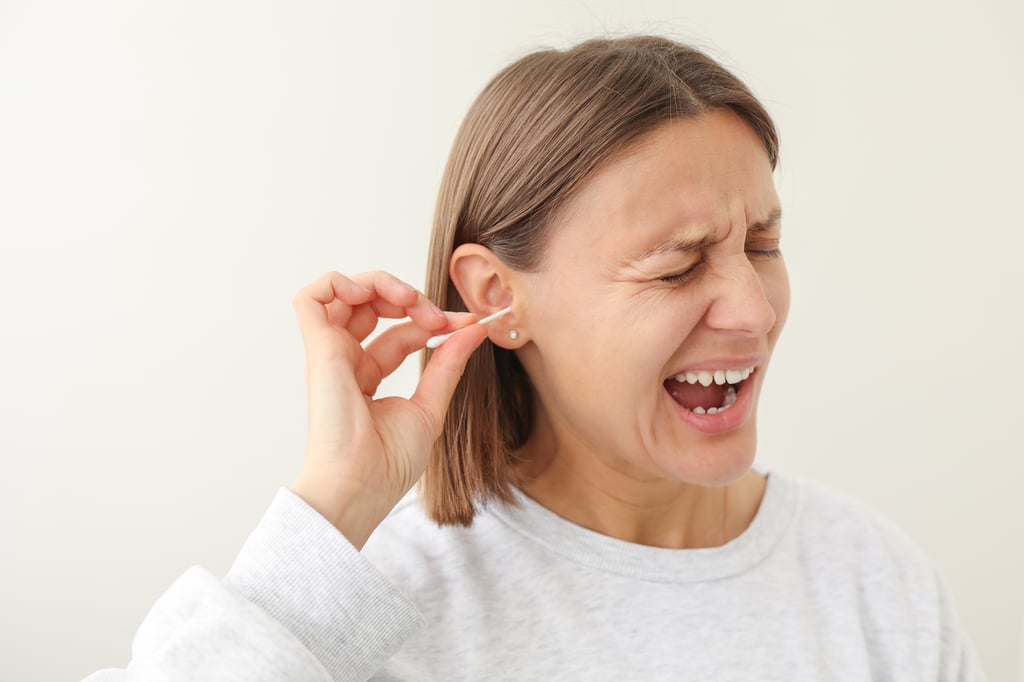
(354, 511)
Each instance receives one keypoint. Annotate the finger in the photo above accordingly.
(384, 354)
(442, 374)
(396, 299)
(391, 348)
(310, 302)
(363, 321)
(340, 294)
(332, 285)
(457, 321)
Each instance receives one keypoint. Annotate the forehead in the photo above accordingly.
(687, 177)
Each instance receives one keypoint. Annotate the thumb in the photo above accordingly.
(442, 374)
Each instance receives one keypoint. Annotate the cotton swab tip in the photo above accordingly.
(435, 341)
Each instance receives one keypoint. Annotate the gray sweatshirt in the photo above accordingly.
(817, 588)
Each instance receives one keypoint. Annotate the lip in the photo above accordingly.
(732, 418)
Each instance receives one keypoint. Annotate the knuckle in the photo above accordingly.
(368, 276)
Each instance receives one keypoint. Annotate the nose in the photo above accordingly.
(739, 303)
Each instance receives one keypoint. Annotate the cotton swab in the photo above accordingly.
(436, 341)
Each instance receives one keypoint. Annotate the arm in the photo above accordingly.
(300, 602)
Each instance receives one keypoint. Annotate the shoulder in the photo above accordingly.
(856, 566)
(834, 524)
(856, 555)
(898, 593)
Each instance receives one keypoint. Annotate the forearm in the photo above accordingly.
(300, 602)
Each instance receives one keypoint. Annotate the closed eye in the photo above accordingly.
(764, 248)
(680, 277)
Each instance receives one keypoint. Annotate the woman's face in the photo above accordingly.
(665, 265)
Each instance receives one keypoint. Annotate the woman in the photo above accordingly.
(587, 507)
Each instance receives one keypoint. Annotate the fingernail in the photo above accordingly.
(437, 311)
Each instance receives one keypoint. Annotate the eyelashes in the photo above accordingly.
(680, 277)
(685, 275)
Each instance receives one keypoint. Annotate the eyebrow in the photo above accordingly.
(687, 245)
(773, 220)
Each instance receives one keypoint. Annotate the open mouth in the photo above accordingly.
(707, 391)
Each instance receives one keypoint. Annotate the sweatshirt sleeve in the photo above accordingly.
(299, 603)
(959, 661)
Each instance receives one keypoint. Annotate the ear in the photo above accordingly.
(487, 285)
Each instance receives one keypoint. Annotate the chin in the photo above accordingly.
(712, 465)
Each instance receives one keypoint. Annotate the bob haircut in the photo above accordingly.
(532, 138)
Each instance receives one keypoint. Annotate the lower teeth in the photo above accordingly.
(730, 399)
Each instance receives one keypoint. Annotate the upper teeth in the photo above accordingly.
(718, 376)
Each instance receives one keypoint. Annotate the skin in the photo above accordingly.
(363, 453)
(601, 329)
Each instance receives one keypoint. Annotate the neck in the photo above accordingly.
(643, 510)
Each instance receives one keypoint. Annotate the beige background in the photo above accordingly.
(172, 172)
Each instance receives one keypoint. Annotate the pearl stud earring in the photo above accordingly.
(513, 334)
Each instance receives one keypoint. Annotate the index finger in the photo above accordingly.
(397, 299)
(333, 285)
(311, 301)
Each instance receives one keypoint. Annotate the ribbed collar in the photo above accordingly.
(604, 553)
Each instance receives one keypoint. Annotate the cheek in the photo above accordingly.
(674, 316)
(610, 356)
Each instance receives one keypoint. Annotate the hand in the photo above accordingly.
(363, 454)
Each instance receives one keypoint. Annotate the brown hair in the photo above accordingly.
(535, 134)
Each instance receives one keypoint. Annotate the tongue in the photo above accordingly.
(695, 395)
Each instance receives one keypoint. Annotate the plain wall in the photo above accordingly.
(172, 173)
